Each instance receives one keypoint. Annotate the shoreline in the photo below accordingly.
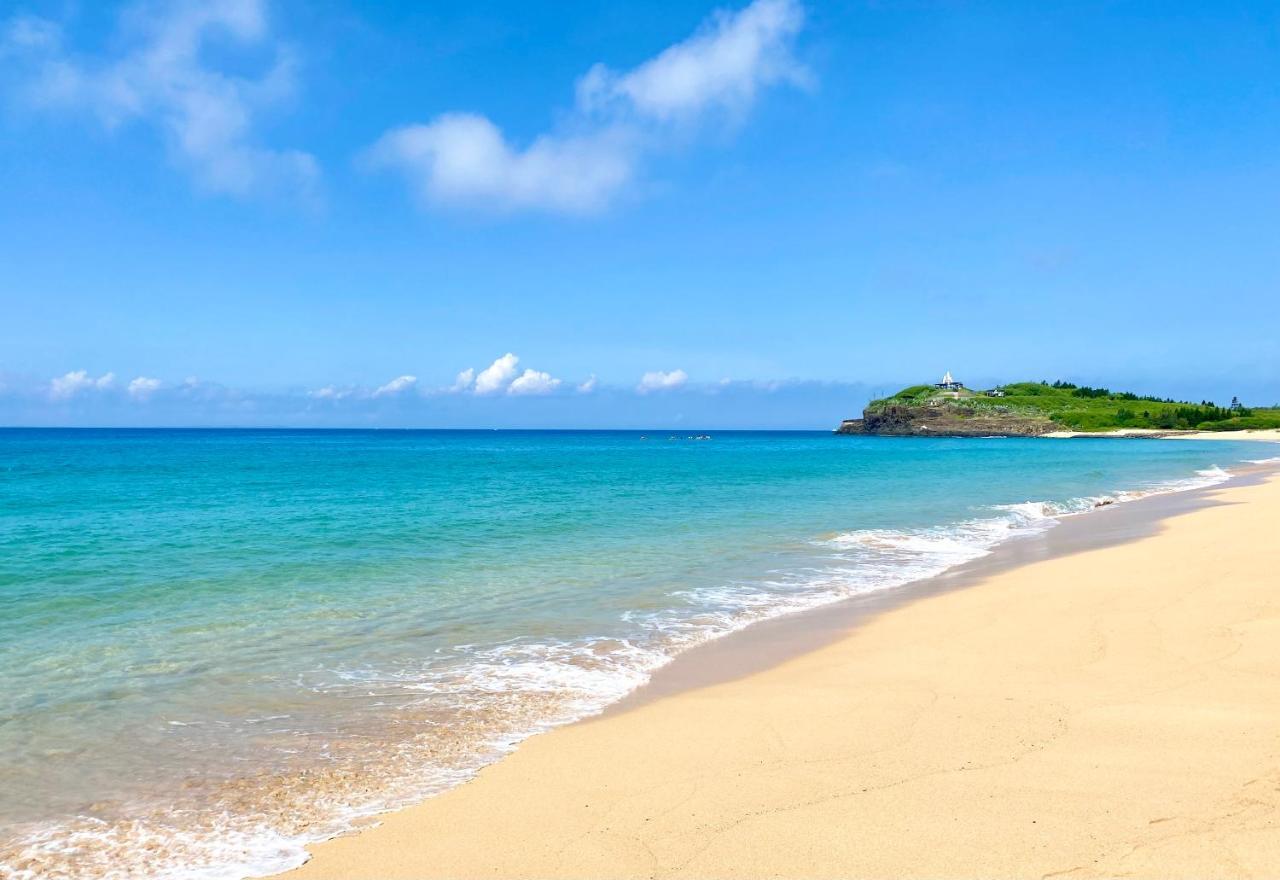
(775, 643)
(767, 643)
(1263, 435)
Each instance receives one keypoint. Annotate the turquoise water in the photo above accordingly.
(226, 643)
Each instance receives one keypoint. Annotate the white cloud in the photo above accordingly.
(618, 118)
(163, 76)
(731, 58)
(333, 392)
(462, 158)
(658, 380)
(588, 386)
(463, 381)
(533, 382)
(396, 386)
(71, 384)
(143, 387)
(496, 376)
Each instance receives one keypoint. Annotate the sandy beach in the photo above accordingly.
(1265, 435)
(1106, 712)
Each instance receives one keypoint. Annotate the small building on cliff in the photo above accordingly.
(948, 383)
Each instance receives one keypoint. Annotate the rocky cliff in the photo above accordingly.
(948, 419)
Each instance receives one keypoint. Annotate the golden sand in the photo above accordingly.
(1114, 712)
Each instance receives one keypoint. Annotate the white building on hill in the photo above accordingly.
(948, 383)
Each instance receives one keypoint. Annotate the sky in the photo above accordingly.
(599, 213)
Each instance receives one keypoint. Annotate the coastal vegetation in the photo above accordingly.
(1066, 406)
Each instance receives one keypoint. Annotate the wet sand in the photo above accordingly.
(1100, 700)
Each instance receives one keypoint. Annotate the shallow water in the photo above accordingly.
(217, 645)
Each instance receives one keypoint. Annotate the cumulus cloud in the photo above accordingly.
(143, 387)
(163, 76)
(497, 375)
(658, 380)
(617, 120)
(397, 385)
(463, 158)
(588, 386)
(533, 382)
(463, 381)
(73, 383)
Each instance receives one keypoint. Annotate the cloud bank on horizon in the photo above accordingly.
(501, 377)
(500, 395)
(618, 119)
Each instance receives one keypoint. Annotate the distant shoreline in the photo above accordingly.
(1269, 435)
(1035, 409)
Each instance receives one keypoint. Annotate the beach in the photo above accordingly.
(715, 440)
(1110, 710)
(259, 647)
(1265, 435)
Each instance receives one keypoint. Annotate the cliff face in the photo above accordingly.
(950, 419)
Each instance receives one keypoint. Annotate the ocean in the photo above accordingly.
(217, 646)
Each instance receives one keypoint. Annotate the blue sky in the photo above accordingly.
(752, 215)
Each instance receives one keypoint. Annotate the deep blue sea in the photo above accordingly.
(218, 645)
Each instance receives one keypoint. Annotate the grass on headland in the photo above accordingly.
(1082, 408)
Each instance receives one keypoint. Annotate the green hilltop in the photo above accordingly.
(1074, 407)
